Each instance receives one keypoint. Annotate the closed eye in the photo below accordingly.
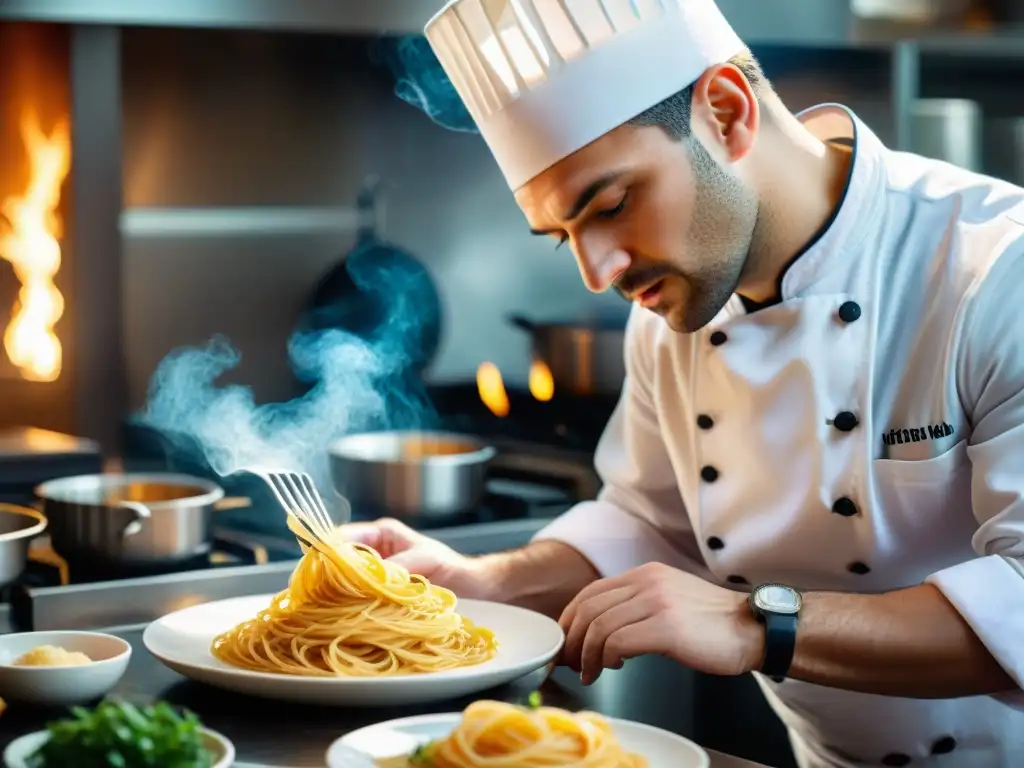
(611, 213)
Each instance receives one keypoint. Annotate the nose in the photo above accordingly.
(599, 266)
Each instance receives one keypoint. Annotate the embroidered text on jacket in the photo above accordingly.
(917, 434)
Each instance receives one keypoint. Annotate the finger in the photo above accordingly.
(595, 588)
(620, 618)
(645, 636)
(601, 585)
(416, 560)
(362, 533)
(586, 613)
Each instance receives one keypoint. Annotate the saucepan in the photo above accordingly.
(410, 473)
(585, 358)
(18, 526)
(132, 519)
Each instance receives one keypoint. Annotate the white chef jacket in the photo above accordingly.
(863, 435)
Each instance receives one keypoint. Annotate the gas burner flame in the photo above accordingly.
(542, 383)
(492, 389)
(32, 246)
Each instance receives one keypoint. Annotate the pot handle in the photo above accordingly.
(522, 323)
(141, 514)
(232, 502)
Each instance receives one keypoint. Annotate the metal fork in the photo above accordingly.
(297, 493)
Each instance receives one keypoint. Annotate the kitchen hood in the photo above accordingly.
(799, 23)
(323, 16)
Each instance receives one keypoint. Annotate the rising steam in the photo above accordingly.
(420, 80)
(360, 382)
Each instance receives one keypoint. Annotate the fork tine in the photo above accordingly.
(269, 480)
(296, 482)
(293, 494)
(297, 494)
(317, 502)
(297, 507)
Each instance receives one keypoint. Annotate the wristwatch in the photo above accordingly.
(778, 608)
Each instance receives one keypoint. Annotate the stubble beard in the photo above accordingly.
(721, 234)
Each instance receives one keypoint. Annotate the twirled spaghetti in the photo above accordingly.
(493, 734)
(348, 612)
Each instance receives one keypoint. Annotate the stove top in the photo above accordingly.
(523, 492)
(46, 568)
(544, 465)
(569, 423)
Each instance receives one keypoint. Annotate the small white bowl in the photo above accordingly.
(18, 751)
(62, 686)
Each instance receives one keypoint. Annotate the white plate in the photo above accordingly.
(181, 640)
(18, 751)
(401, 737)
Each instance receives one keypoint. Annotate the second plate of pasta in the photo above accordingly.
(493, 734)
(497, 644)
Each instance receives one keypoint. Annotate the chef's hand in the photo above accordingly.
(442, 565)
(655, 609)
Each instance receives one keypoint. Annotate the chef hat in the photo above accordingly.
(544, 78)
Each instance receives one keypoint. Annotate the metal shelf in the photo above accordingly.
(236, 222)
(324, 16)
(798, 23)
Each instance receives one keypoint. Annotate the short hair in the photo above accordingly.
(674, 113)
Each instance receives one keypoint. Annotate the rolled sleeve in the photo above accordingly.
(989, 591)
(639, 515)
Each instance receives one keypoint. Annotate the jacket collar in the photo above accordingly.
(860, 208)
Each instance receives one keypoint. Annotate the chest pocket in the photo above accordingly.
(921, 516)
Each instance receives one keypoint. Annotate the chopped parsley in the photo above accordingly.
(117, 734)
(421, 757)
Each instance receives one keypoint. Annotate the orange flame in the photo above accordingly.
(32, 246)
(492, 389)
(542, 383)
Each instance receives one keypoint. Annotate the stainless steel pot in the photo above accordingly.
(947, 129)
(584, 358)
(410, 474)
(132, 519)
(1004, 148)
(18, 526)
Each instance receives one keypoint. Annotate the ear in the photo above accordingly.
(725, 111)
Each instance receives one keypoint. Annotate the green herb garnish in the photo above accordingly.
(421, 757)
(117, 734)
(534, 700)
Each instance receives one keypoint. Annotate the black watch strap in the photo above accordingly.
(779, 643)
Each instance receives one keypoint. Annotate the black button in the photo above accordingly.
(705, 422)
(718, 338)
(845, 507)
(736, 579)
(709, 474)
(896, 758)
(849, 312)
(715, 543)
(859, 568)
(845, 421)
(944, 746)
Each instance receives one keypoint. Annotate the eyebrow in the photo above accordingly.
(585, 198)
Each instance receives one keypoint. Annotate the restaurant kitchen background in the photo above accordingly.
(179, 174)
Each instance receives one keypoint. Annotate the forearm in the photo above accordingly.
(911, 643)
(543, 576)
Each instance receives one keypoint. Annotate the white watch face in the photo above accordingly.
(777, 599)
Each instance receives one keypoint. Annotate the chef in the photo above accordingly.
(816, 469)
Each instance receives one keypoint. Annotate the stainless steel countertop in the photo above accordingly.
(271, 735)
